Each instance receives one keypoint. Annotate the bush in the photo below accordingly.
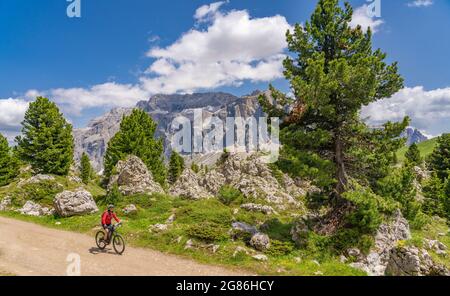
(205, 210)
(113, 195)
(278, 248)
(208, 232)
(43, 192)
(229, 195)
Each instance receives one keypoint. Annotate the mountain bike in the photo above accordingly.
(117, 240)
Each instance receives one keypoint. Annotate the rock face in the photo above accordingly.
(258, 208)
(413, 136)
(31, 208)
(73, 203)
(188, 186)
(5, 203)
(94, 138)
(410, 261)
(387, 237)
(133, 177)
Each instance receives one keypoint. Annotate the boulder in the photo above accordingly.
(188, 186)
(260, 257)
(243, 228)
(300, 231)
(387, 237)
(258, 208)
(410, 261)
(74, 203)
(436, 246)
(260, 241)
(158, 228)
(31, 208)
(130, 209)
(133, 177)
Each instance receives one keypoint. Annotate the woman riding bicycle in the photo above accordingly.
(107, 217)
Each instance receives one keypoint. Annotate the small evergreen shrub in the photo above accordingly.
(279, 248)
(229, 195)
(208, 232)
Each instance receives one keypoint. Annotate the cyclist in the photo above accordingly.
(107, 216)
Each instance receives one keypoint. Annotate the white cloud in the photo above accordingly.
(429, 110)
(208, 10)
(420, 3)
(362, 17)
(232, 49)
(12, 113)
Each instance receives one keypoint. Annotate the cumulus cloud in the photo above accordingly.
(429, 110)
(362, 17)
(232, 49)
(12, 112)
(420, 3)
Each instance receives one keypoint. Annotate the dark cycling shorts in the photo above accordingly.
(108, 226)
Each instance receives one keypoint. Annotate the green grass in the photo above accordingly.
(425, 148)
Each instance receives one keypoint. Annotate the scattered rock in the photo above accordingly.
(31, 208)
(410, 261)
(75, 179)
(354, 252)
(434, 245)
(130, 209)
(239, 250)
(235, 211)
(260, 241)
(159, 228)
(318, 273)
(343, 259)
(5, 203)
(258, 208)
(421, 174)
(191, 244)
(73, 203)
(316, 262)
(260, 257)
(36, 179)
(298, 260)
(171, 219)
(188, 186)
(133, 177)
(58, 223)
(244, 228)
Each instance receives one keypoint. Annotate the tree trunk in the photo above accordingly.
(341, 174)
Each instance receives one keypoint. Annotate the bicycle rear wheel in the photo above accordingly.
(100, 240)
(119, 244)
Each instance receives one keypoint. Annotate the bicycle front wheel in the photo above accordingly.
(119, 244)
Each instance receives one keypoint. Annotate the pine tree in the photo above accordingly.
(86, 168)
(194, 167)
(413, 155)
(333, 74)
(46, 141)
(8, 164)
(137, 137)
(440, 158)
(176, 167)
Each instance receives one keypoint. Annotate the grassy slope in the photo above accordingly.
(157, 208)
(426, 148)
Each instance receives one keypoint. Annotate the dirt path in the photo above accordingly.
(30, 249)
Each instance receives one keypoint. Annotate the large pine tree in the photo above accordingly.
(8, 164)
(85, 168)
(46, 141)
(439, 160)
(137, 137)
(333, 72)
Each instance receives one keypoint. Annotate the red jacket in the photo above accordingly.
(107, 217)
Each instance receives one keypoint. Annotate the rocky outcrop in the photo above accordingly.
(386, 239)
(188, 186)
(410, 261)
(31, 208)
(35, 179)
(250, 175)
(133, 177)
(74, 203)
(436, 246)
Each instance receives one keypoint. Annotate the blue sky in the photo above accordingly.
(121, 51)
